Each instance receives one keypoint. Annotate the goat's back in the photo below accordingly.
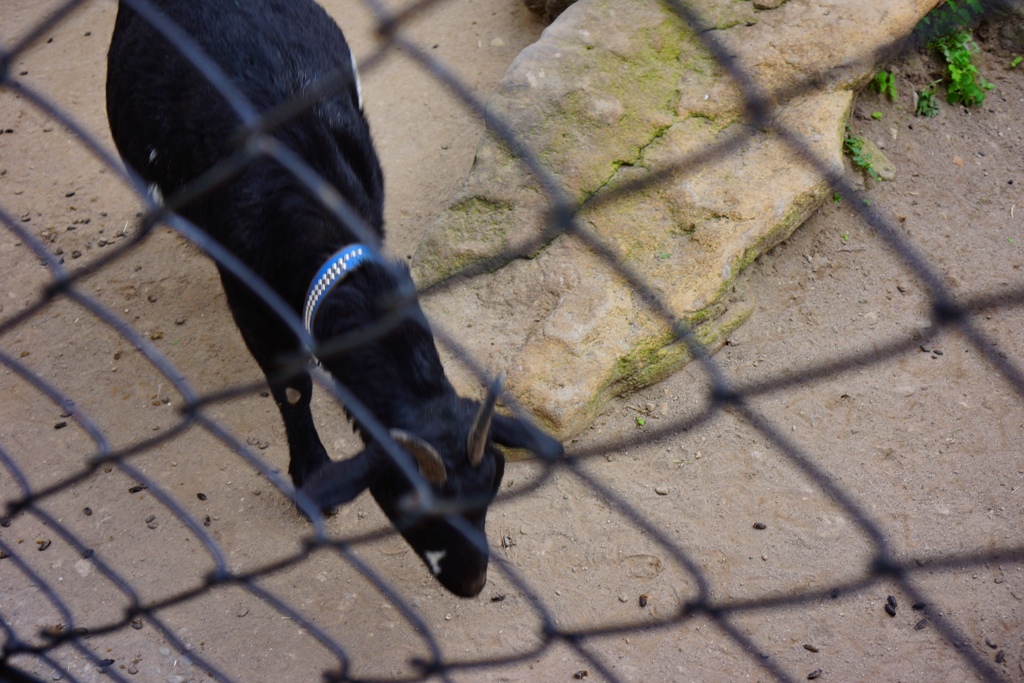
(170, 124)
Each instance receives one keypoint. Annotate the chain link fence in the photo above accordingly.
(78, 605)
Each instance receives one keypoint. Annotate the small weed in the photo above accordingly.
(836, 197)
(641, 421)
(885, 83)
(926, 104)
(945, 30)
(854, 148)
(845, 237)
(876, 115)
(1016, 60)
(966, 85)
(664, 256)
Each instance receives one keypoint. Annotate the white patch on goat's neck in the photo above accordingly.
(434, 558)
(355, 75)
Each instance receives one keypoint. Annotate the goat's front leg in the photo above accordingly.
(269, 342)
(307, 453)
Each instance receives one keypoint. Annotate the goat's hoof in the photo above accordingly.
(326, 512)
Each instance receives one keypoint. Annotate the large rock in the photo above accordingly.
(614, 91)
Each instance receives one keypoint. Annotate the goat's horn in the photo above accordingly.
(477, 441)
(427, 457)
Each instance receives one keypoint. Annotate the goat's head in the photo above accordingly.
(454, 449)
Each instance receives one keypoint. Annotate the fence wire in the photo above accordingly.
(39, 635)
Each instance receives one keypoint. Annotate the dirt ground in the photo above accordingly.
(926, 440)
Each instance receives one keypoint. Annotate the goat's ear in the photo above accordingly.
(340, 481)
(515, 433)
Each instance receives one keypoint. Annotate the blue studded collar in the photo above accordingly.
(331, 273)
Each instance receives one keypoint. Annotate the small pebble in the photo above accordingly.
(760, 526)
(920, 625)
(918, 606)
(87, 512)
(810, 648)
(137, 624)
(60, 425)
(242, 611)
(814, 674)
(890, 600)
(890, 610)
(661, 490)
(201, 496)
(990, 643)
(88, 553)
(44, 544)
(132, 669)
(136, 489)
(643, 600)
(1000, 657)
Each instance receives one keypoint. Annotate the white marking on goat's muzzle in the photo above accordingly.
(433, 558)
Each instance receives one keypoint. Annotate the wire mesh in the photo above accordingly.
(87, 612)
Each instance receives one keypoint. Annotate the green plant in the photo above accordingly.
(1016, 60)
(926, 104)
(885, 83)
(876, 115)
(836, 197)
(854, 148)
(641, 421)
(966, 85)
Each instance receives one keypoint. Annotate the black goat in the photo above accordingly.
(171, 125)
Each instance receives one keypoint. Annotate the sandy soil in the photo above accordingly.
(918, 430)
